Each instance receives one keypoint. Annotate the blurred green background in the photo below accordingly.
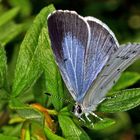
(122, 16)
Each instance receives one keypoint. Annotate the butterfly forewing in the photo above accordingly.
(69, 38)
(118, 62)
(82, 48)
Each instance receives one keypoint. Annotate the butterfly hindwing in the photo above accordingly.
(102, 44)
(118, 62)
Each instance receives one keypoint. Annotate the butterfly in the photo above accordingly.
(89, 57)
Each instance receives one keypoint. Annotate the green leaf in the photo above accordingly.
(4, 137)
(7, 16)
(9, 31)
(39, 91)
(2, 9)
(12, 130)
(127, 79)
(54, 84)
(4, 96)
(28, 63)
(26, 111)
(3, 68)
(12, 63)
(26, 128)
(25, 6)
(121, 101)
(122, 120)
(103, 124)
(69, 128)
(51, 136)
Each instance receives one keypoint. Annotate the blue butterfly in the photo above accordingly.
(89, 57)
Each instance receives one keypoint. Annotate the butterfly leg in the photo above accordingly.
(96, 116)
(82, 119)
(86, 115)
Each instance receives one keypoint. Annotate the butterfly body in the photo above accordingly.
(88, 56)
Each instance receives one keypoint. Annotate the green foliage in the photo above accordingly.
(28, 60)
(51, 136)
(36, 73)
(70, 129)
(25, 6)
(3, 67)
(127, 79)
(8, 28)
(8, 35)
(121, 101)
(6, 17)
(3, 137)
(53, 81)
(105, 123)
(25, 111)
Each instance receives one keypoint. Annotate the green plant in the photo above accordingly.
(33, 114)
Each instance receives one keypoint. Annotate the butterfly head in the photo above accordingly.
(78, 110)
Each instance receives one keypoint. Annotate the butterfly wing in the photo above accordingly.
(102, 44)
(69, 36)
(81, 49)
(118, 62)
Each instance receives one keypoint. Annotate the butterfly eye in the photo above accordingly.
(79, 110)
